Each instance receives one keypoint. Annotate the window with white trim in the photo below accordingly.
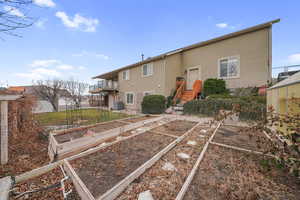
(129, 97)
(229, 67)
(125, 75)
(147, 69)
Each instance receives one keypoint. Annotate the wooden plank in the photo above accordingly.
(5, 185)
(81, 189)
(37, 172)
(44, 169)
(121, 186)
(165, 134)
(240, 149)
(81, 144)
(4, 132)
(189, 179)
(61, 132)
(92, 150)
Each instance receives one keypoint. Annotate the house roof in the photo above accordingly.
(113, 73)
(289, 81)
(17, 88)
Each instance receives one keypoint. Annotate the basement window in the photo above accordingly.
(147, 69)
(129, 98)
(229, 67)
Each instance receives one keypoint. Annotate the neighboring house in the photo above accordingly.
(282, 96)
(42, 105)
(242, 59)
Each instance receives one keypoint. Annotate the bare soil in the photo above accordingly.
(68, 136)
(102, 170)
(52, 177)
(239, 137)
(166, 184)
(230, 174)
(138, 119)
(176, 128)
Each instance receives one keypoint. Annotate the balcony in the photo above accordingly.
(104, 85)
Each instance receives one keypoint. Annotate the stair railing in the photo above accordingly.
(179, 92)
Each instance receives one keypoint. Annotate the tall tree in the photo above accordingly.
(14, 15)
(76, 90)
(50, 90)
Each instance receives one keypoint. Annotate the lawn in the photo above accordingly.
(82, 117)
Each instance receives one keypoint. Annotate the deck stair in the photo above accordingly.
(187, 95)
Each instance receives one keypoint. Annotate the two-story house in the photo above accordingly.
(242, 59)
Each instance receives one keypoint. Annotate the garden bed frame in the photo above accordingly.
(189, 179)
(58, 151)
(121, 186)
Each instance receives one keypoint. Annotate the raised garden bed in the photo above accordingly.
(50, 178)
(229, 174)
(166, 183)
(239, 137)
(102, 170)
(72, 135)
(69, 142)
(176, 128)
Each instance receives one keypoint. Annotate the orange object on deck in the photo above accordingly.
(188, 95)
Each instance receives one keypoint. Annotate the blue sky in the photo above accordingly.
(83, 38)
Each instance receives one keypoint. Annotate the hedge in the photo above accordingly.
(153, 104)
(212, 107)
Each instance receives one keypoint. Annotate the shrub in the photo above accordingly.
(154, 104)
(214, 86)
(212, 107)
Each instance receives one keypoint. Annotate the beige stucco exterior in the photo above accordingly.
(253, 50)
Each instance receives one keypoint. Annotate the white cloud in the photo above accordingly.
(222, 25)
(102, 56)
(44, 63)
(44, 3)
(65, 67)
(13, 11)
(82, 68)
(78, 22)
(41, 23)
(294, 58)
(86, 53)
(39, 73)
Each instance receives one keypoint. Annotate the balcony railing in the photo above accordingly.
(104, 85)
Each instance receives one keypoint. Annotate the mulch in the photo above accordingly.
(102, 170)
(230, 174)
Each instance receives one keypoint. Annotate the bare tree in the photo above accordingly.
(76, 90)
(50, 90)
(14, 15)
